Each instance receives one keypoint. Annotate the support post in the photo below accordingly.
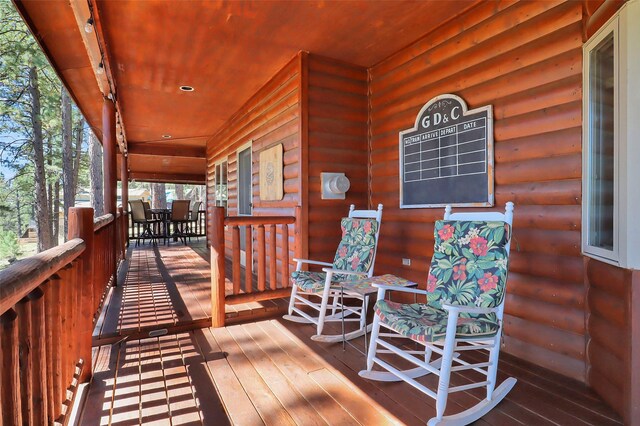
(109, 144)
(81, 226)
(217, 267)
(124, 182)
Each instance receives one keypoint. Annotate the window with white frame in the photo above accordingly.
(611, 141)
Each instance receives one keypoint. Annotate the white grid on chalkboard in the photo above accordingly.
(457, 150)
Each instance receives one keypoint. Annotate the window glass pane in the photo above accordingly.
(223, 186)
(601, 146)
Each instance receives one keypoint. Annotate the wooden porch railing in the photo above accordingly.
(47, 310)
(250, 293)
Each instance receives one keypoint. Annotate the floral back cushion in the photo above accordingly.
(469, 264)
(357, 247)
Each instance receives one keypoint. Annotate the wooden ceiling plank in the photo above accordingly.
(167, 150)
(196, 179)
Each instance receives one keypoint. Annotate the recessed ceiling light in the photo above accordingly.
(166, 136)
(187, 88)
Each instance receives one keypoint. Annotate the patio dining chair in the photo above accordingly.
(464, 309)
(180, 219)
(192, 225)
(354, 259)
(139, 217)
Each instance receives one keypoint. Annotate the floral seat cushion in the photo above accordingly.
(469, 264)
(423, 323)
(357, 247)
(355, 254)
(311, 282)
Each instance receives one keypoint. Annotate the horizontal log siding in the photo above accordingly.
(269, 118)
(608, 351)
(525, 59)
(337, 142)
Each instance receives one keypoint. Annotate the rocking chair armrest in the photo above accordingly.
(468, 309)
(340, 271)
(312, 262)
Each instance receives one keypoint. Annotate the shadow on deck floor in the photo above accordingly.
(269, 371)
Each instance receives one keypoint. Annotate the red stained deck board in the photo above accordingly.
(269, 371)
(167, 286)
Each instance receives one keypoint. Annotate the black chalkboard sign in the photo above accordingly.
(447, 157)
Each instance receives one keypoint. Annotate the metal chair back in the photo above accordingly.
(137, 211)
(180, 210)
(195, 209)
(147, 210)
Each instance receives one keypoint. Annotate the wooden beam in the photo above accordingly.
(124, 180)
(197, 179)
(82, 14)
(167, 150)
(237, 299)
(109, 158)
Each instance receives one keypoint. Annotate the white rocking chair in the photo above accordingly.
(354, 259)
(463, 311)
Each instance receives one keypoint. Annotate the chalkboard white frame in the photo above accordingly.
(488, 109)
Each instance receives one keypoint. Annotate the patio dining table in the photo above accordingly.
(165, 216)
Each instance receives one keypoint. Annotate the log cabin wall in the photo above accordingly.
(613, 366)
(608, 322)
(337, 142)
(270, 117)
(525, 59)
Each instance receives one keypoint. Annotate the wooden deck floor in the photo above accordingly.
(269, 371)
(167, 287)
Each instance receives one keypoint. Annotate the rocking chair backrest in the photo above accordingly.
(358, 246)
(470, 261)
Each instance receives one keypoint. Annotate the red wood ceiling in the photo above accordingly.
(225, 50)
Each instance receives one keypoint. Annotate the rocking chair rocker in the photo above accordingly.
(354, 259)
(463, 311)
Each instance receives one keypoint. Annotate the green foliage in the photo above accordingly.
(19, 53)
(9, 247)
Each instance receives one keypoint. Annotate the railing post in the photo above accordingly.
(217, 267)
(109, 145)
(81, 226)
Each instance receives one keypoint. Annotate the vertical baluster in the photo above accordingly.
(261, 259)
(74, 308)
(78, 320)
(248, 264)
(100, 263)
(273, 260)
(47, 288)
(54, 344)
(66, 356)
(10, 388)
(38, 357)
(285, 255)
(235, 258)
(23, 309)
